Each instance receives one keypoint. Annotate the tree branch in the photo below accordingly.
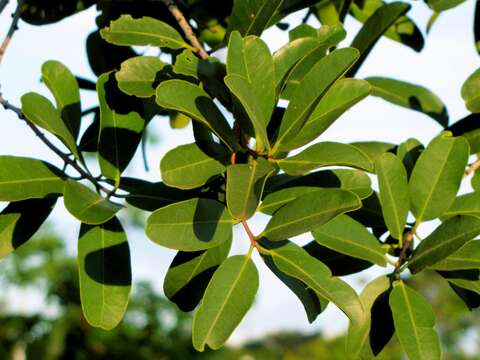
(12, 29)
(472, 167)
(66, 159)
(187, 29)
(253, 239)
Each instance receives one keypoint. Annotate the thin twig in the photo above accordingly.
(408, 238)
(253, 239)
(472, 167)
(187, 29)
(67, 161)
(11, 30)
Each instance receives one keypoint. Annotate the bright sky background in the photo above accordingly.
(448, 58)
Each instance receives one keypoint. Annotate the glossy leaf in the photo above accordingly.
(466, 204)
(20, 220)
(414, 323)
(140, 75)
(105, 273)
(376, 25)
(189, 274)
(190, 225)
(308, 212)
(343, 94)
(64, 87)
(410, 96)
(467, 257)
(470, 91)
(325, 154)
(296, 262)
(121, 127)
(315, 83)
(436, 177)
(393, 186)
(245, 183)
(40, 111)
(347, 236)
(228, 297)
(374, 149)
(251, 78)
(366, 340)
(144, 31)
(403, 30)
(188, 167)
(444, 241)
(86, 205)
(408, 152)
(25, 178)
(251, 17)
(277, 199)
(194, 102)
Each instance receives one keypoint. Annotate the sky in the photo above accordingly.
(447, 59)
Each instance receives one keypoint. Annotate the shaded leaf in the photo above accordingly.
(470, 91)
(228, 297)
(251, 17)
(408, 152)
(190, 225)
(466, 204)
(467, 257)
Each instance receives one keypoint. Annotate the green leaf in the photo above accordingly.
(40, 111)
(251, 78)
(370, 214)
(472, 285)
(469, 128)
(188, 167)
(302, 31)
(475, 181)
(42, 13)
(338, 263)
(308, 212)
(466, 204)
(86, 205)
(327, 37)
(441, 5)
(403, 30)
(470, 92)
(139, 75)
(393, 193)
(408, 152)
(251, 17)
(20, 220)
(25, 178)
(376, 25)
(194, 102)
(410, 96)
(277, 199)
(347, 236)
(121, 127)
(288, 55)
(355, 181)
(363, 339)
(467, 257)
(190, 225)
(296, 262)
(414, 323)
(315, 83)
(152, 196)
(105, 273)
(145, 31)
(343, 94)
(444, 241)
(325, 154)
(245, 183)
(189, 274)
(326, 12)
(374, 149)
(228, 297)
(64, 87)
(312, 303)
(436, 178)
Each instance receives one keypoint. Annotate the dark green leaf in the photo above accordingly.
(190, 225)
(444, 241)
(24, 178)
(408, 152)
(467, 257)
(410, 96)
(228, 297)
(251, 17)
(441, 5)
(309, 211)
(105, 273)
(470, 91)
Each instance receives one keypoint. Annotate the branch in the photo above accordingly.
(12, 29)
(73, 163)
(472, 167)
(187, 29)
(408, 238)
(253, 239)
(3, 5)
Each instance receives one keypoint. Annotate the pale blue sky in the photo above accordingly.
(447, 59)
